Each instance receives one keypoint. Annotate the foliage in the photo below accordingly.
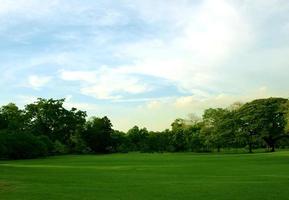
(137, 138)
(219, 125)
(46, 127)
(12, 118)
(119, 142)
(263, 119)
(16, 145)
(59, 148)
(97, 134)
(50, 118)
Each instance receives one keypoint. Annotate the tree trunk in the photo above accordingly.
(250, 143)
(250, 148)
(272, 148)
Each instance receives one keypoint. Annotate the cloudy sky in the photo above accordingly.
(143, 62)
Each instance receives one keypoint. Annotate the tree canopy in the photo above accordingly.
(47, 127)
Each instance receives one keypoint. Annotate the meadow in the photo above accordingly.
(148, 176)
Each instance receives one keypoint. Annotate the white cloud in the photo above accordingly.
(158, 114)
(82, 106)
(106, 83)
(36, 82)
(223, 100)
(203, 40)
(145, 99)
(70, 103)
(111, 87)
(26, 99)
(57, 12)
(86, 76)
(154, 104)
(197, 57)
(184, 101)
(214, 52)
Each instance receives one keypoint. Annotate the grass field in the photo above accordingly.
(263, 176)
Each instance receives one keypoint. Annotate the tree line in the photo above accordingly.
(46, 127)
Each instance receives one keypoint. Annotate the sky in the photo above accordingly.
(143, 62)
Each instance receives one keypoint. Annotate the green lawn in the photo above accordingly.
(263, 176)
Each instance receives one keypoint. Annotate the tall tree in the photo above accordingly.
(265, 119)
(98, 134)
(178, 134)
(49, 117)
(137, 138)
(219, 126)
(119, 141)
(12, 118)
(3, 122)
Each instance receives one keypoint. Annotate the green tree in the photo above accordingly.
(12, 118)
(178, 134)
(218, 124)
(193, 140)
(98, 134)
(119, 141)
(23, 145)
(137, 138)
(264, 119)
(286, 110)
(49, 117)
(158, 141)
(3, 122)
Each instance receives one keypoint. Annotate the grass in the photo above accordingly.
(262, 176)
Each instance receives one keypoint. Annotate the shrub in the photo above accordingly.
(21, 145)
(47, 143)
(59, 148)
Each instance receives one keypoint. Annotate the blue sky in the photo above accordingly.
(143, 62)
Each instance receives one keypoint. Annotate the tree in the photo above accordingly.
(264, 119)
(119, 141)
(137, 138)
(3, 122)
(178, 135)
(12, 118)
(186, 134)
(194, 141)
(158, 141)
(286, 110)
(219, 124)
(97, 134)
(49, 117)
(23, 145)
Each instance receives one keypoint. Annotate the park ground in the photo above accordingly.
(263, 176)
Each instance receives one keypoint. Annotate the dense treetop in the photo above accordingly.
(46, 127)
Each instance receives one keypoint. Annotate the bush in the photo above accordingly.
(21, 145)
(47, 143)
(59, 148)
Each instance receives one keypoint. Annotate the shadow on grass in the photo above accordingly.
(5, 186)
